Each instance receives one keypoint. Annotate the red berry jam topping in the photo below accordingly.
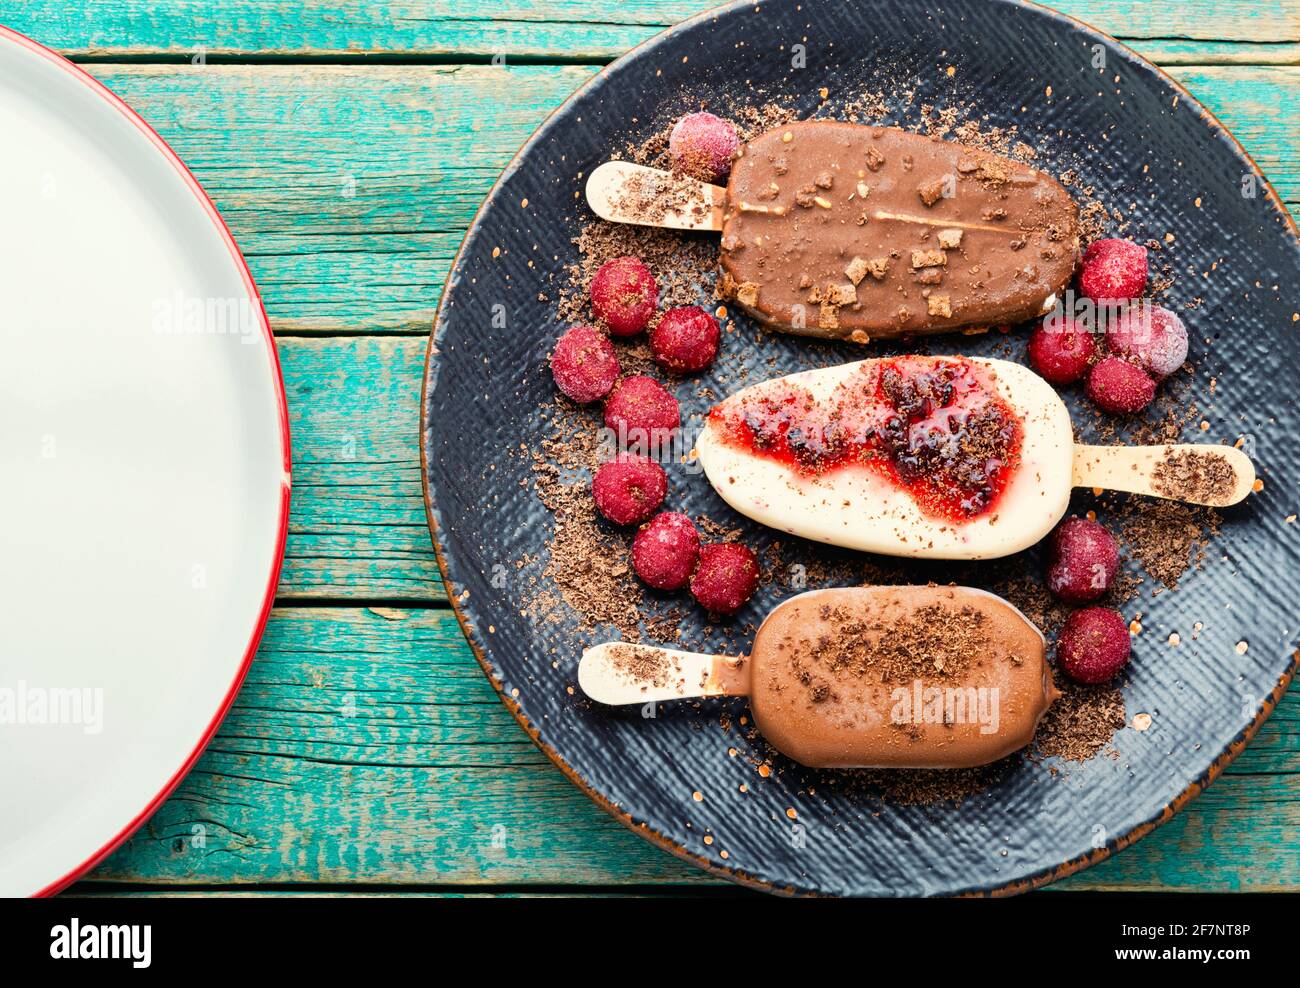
(935, 427)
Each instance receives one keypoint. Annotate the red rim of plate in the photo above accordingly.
(273, 579)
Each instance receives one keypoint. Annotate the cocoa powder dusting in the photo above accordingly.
(935, 641)
(652, 197)
(588, 564)
(589, 567)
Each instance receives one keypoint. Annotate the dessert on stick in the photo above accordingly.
(932, 457)
(865, 677)
(845, 231)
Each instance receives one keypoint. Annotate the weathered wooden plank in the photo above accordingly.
(1257, 104)
(367, 746)
(1171, 52)
(356, 524)
(551, 29)
(349, 188)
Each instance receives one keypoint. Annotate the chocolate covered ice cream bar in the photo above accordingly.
(833, 229)
(863, 677)
(839, 230)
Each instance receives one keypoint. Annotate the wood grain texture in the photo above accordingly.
(356, 524)
(366, 746)
(350, 188)
(1172, 32)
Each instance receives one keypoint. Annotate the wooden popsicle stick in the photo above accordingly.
(1196, 473)
(622, 192)
(619, 673)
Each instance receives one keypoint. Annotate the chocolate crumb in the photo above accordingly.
(1081, 722)
(1194, 475)
(1167, 538)
(652, 667)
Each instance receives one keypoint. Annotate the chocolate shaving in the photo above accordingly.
(652, 667)
(1194, 475)
(1081, 722)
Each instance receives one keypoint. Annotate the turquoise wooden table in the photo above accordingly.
(348, 144)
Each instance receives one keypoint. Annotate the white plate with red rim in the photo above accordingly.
(144, 454)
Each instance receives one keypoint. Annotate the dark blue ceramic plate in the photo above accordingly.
(1156, 149)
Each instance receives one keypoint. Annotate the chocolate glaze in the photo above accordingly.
(829, 704)
(839, 230)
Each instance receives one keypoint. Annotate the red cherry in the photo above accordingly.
(629, 489)
(1094, 645)
(702, 146)
(664, 552)
(1113, 271)
(685, 340)
(584, 364)
(1061, 350)
(1152, 335)
(642, 413)
(1084, 561)
(624, 295)
(1120, 387)
(726, 577)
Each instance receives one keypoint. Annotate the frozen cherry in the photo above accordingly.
(664, 552)
(624, 295)
(1151, 335)
(1120, 387)
(629, 489)
(685, 340)
(725, 578)
(642, 412)
(1060, 349)
(702, 146)
(584, 364)
(1084, 561)
(1113, 271)
(1094, 645)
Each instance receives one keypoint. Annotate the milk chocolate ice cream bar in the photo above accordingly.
(845, 231)
(839, 230)
(866, 677)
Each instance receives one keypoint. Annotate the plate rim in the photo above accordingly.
(115, 102)
(1017, 886)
